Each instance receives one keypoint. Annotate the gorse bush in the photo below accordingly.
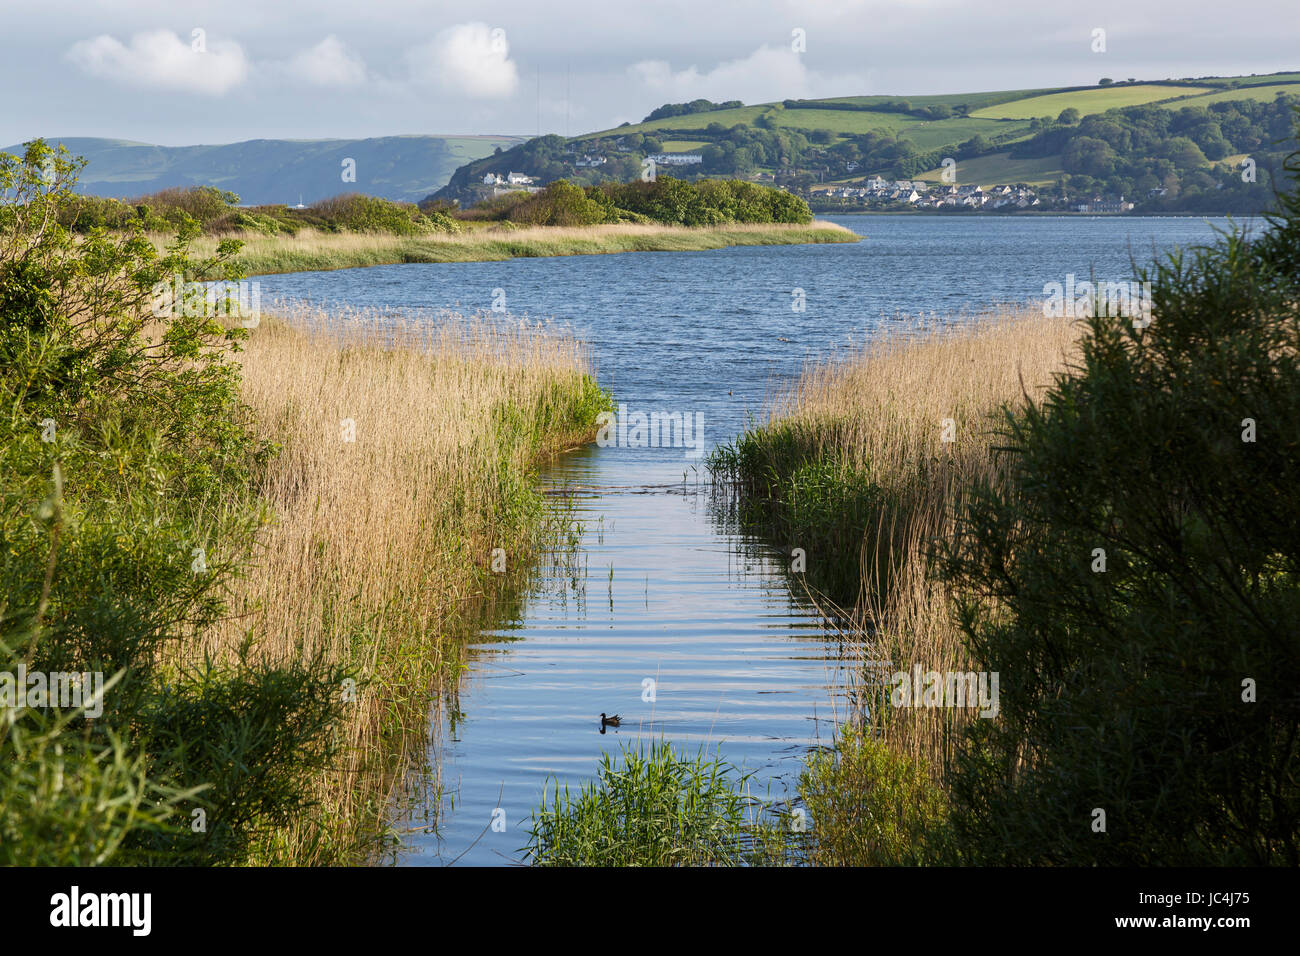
(1136, 583)
(126, 511)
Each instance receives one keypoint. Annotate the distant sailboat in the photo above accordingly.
(300, 205)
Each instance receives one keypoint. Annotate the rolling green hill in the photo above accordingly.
(1032, 136)
(1088, 101)
(280, 171)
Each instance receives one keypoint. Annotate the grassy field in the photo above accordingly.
(313, 251)
(1086, 101)
(988, 105)
(1264, 93)
(378, 548)
(973, 100)
(744, 115)
(998, 168)
(1263, 80)
(927, 134)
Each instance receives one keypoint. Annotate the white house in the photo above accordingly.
(676, 159)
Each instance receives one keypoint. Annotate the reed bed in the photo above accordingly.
(405, 457)
(655, 806)
(873, 429)
(315, 250)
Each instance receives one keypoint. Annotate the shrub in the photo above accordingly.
(706, 202)
(357, 213)
(200, 203)
(560, 204)
(1161, 687)
(126, 511)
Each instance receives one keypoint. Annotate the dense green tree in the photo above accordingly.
(1135, 581)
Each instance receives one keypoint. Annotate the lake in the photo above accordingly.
(667, 614)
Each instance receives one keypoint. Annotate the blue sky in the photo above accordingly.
(178, 73)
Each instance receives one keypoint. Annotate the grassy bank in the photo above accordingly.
(310, 250)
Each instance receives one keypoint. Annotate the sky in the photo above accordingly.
(176, 73)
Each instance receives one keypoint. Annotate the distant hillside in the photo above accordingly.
(280, 171)
(1037, 136)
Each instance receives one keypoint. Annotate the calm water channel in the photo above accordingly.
(662, 588)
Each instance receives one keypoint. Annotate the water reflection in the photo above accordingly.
(687, 631)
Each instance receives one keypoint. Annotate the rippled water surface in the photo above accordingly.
(662, 588)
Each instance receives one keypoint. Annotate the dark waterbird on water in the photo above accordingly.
(610, 721)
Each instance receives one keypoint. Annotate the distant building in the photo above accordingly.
(1104, 206)
(676, 159)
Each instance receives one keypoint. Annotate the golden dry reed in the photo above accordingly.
(405, 453)
(892, 405)
(312, 249)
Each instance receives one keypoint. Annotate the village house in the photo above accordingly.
(511, 179)
(1104, 206)
(923, 195)
(676, 159)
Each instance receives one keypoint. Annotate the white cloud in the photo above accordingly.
(328, 63)
(766, 74)
(469, 58)
(162, 60)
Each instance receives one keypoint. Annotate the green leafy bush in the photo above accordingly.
(1137, 585)
(706, 202)
(560, 204)
(127, 509)
(216, 212)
